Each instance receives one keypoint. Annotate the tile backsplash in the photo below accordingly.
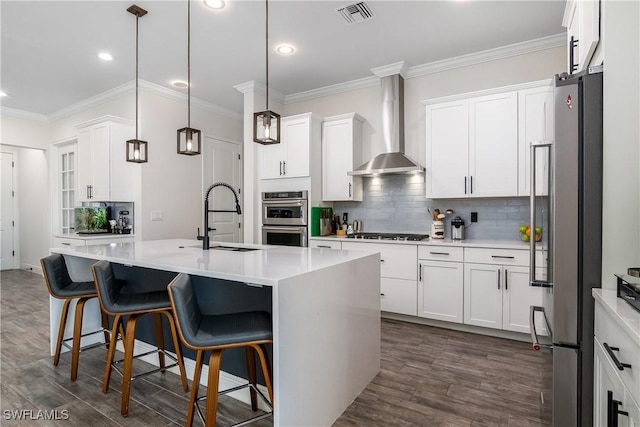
(397, 203)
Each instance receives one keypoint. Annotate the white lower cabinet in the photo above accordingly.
(327, 244)
(440, 289)
(398, 275)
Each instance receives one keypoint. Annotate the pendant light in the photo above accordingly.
(189, 139)
(266, 124)
(137, 151)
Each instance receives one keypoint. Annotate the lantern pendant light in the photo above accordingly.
(137, 151)
(266, 124)
(189, 139)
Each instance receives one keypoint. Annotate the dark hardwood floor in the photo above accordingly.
(429, 377)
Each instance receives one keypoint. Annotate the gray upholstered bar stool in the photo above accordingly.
(216, 333)
(117, 303)
(61, 286)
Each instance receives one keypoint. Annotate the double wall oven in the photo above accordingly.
(284, 218)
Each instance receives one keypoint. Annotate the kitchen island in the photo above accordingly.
(325, 309)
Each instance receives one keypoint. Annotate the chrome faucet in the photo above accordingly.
(205, 237)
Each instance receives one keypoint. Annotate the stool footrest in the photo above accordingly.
(87, 347)
(115, 363)
(231, 390)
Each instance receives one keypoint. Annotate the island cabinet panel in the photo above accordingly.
(398, 272)
(341, 153)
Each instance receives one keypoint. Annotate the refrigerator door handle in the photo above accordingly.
(532, 217)
(537, 345)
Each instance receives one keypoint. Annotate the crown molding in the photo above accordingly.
(492, 91)
(93, 101)
(432, 67)
(254, 86)
(6, 111)
(391, 69)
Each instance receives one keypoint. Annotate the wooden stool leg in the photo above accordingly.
(157, 320)
(212, 388)
(77, 333)
(178, 350)
(251, 376)
(117, 324)
(194, 387)
(63, 323)
(130, 337)
(261, 349)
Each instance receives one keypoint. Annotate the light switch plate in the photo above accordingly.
(156, 216)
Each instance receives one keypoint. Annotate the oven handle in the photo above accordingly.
(285, 203)
(299, 230)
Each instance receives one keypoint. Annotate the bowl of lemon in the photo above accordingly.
(526, 233)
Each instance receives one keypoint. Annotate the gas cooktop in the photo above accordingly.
(389, 236)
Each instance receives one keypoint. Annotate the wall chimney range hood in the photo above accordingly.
(393, 160)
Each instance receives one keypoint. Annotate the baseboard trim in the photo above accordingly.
(36, 269)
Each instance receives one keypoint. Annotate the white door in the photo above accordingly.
(517, 299)
(272, 158)
(6, 212)
(493, 145)
(296, 138)
(337, 160)
(440, 288)
(483, 295)
(222, 163)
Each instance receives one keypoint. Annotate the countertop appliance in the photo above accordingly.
(574, 242)
(284, 218)
(389, 236)
(457, 228)
(629, 289)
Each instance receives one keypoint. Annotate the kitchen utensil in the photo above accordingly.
(441, 216)
(437, 230)
(457, 228)
(449, 211)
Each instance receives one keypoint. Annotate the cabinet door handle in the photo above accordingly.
(471, 180)
(465, 185)
(613, 357)
(420, 272)
(613, 411)
(280, 167)
(502, 257)
(573, 43)
(381, 295)
(439, 253)
(324, 246)
(498, 279)
(381, 260)
(65, 244)
(349, 189)
(284, 167)
(506, 280)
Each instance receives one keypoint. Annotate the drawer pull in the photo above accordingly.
(324, 246)
(439, 253)
(613, 357)
(381, 295)
(65, 244)
(502, 257)
(381, 260)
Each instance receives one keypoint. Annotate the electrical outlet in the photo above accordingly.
(474, 216)
(156, 216)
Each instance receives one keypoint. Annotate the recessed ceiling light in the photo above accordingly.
(180, 84)
(105, 56)
(285, 49)
(2, 93)
(215, 4)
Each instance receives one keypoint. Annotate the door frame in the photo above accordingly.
(241, 178)
(16, 203)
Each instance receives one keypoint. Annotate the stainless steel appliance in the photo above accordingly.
(573, 228)
(457, 228)
(285, 218)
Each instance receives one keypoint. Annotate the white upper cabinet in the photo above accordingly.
(290, 158)
(535, 125)
(493, 145)
(341, 153)
(582, 21)
(447, 148)
(103, 172)
(472, 147)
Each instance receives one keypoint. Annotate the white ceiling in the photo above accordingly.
(49, 48)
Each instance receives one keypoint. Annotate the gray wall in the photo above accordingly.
(397, 203)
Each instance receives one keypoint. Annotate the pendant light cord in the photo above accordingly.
(266, 49)
(137, 18)
(189, 64)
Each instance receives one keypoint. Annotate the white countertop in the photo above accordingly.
(93, 236)
(625, 316)
(467, 243)
(264, 267)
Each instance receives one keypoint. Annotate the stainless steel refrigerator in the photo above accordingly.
(572, 218)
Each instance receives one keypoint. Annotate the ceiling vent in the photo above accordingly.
(355, 13)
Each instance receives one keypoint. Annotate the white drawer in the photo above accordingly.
(61, 242)
(399, 296)
(440, 253)
(502, 256)
(397, 261)
(608, 332)
(103, 240)
(325, 244)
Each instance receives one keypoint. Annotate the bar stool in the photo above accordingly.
(117, 303)
(216, 333)
(61, 286)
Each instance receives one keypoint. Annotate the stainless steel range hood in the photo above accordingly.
(393, 161)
